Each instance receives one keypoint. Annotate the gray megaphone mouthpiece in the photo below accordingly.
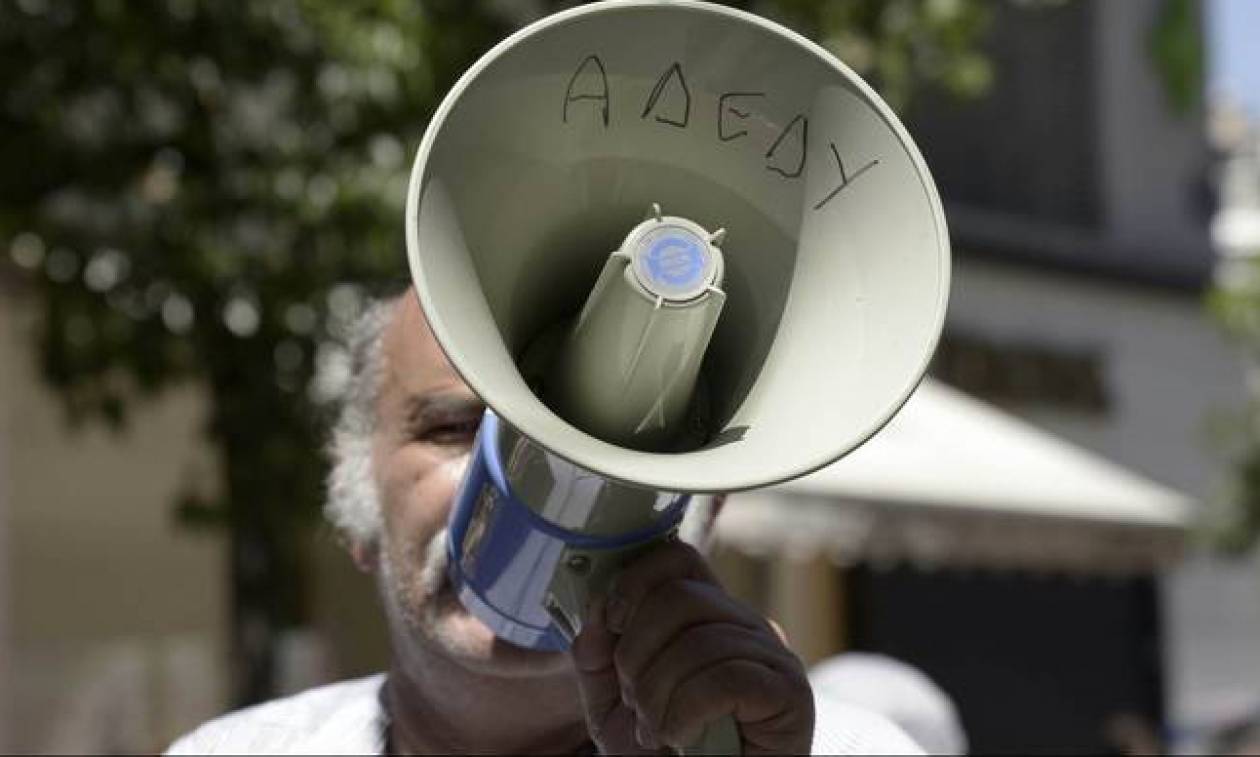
(628, 365)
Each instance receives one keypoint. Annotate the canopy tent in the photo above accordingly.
(954, 481)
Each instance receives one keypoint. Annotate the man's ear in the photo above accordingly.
(363, 554)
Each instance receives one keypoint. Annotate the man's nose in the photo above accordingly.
(453, 470)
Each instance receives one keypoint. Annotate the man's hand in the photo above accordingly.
(669, 651)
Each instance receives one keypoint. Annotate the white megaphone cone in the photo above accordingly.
(690, 360)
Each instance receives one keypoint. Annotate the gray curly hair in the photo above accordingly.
(353, 506)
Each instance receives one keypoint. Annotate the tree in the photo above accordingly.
(204, 191)
(1234, 525)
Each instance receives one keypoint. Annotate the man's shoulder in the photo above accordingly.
(342, 718)
(841, 728)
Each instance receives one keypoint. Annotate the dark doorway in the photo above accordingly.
(1034, 664)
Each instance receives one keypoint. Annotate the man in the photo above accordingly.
(667, 651)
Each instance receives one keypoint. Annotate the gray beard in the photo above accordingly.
(416, 598)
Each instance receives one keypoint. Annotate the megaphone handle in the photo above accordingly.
(569, 591)
(719, 737)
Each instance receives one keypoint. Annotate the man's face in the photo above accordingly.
(427, 420)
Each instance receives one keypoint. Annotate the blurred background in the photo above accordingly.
(1059, 529)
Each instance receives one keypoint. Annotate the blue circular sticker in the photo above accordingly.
(676, 261)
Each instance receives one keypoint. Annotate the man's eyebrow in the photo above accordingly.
(420, 408)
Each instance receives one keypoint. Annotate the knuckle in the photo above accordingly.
(706, 640)
(674, 595)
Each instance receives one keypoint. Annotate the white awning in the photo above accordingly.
(952, 480)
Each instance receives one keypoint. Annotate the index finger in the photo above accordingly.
(610, 724)
(592, 655)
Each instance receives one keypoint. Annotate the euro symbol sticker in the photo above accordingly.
(675, 261)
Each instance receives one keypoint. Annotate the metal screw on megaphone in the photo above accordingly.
(579, 564)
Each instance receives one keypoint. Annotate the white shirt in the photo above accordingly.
(347, 718)
(897, 690)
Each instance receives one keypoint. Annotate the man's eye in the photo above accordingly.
(452, 433)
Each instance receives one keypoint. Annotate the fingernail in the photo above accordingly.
(615, 614)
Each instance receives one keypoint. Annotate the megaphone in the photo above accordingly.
(677, 249)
